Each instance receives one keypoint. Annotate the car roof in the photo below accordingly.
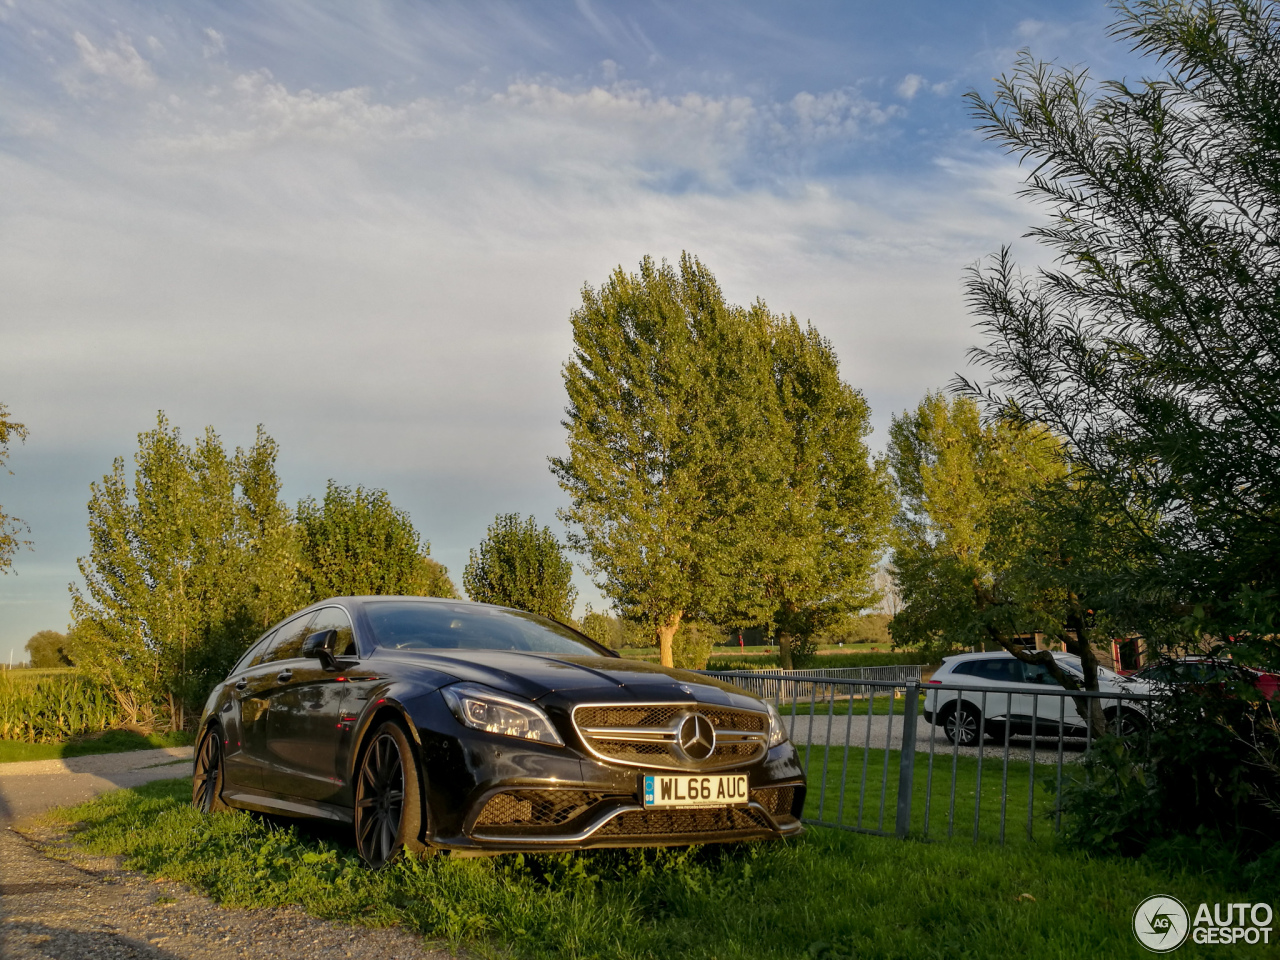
(1000, 654)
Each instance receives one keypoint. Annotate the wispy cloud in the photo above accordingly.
(365, 226)
(115, 61)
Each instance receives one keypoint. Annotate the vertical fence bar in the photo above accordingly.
(982, 736)
(826, 748)
(1004, 775)
(955, 756)
(1062, 718)
(792, 734)
(884, 774)
(1031, 770)
(907, 758)
(866, 751)
(844, 764)
(928, 780)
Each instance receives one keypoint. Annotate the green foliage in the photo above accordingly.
(833, 515)
(51, 707)
(1207, 776)
(717, 464)
(993, 542)
(47, 649)
(830, 893)
(185, 567)
(862, 628)
(691, 646)
(828, 660)
(1152, 348)
(11, 528)
(357, 543)
(613, 632)
(673, 463)
(518, 565)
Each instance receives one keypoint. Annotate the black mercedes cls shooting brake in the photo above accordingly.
(439, 724)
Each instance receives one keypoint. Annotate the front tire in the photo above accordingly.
(207, 773)
(962, 725)
(1129, 725)
(388, 809)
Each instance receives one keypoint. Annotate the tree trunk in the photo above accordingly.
(667, 627)
(784, 651)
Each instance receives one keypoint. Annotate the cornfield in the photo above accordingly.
(46, 706)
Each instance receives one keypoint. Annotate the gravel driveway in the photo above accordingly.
(59, 904)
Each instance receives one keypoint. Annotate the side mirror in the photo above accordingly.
(319, 646)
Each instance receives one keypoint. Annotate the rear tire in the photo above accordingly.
(388, 800)
(961, 725)
(207, 772)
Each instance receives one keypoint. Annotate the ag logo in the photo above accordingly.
(1160, 923)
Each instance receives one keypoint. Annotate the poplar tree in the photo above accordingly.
(356, 542)
(836, 503)
(178, 579)
(11, 528)
(519, 565)
(673, 465)
(993, 541)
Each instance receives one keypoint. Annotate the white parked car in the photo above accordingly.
(1006, 688)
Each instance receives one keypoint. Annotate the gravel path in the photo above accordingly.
(57, 903)
(34, 786)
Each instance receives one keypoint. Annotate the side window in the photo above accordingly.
(335, 618)
(254, 654)
(964, 668)
(1039, 673)
(287, 644)
(1003, 671)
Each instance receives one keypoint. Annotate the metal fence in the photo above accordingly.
(858, 735)
(788, 685)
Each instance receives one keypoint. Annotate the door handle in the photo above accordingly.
(284, 676)
(242, 684)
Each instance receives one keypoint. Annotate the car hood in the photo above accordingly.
(534, 676)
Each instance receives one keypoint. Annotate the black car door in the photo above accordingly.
(303, 724)
(240, 712)
(254, 690)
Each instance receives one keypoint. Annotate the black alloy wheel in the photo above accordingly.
(388, 811)
(961, 725)
(206, 775)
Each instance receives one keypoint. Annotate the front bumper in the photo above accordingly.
(488, 795)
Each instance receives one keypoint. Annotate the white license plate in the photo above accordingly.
(719, 790)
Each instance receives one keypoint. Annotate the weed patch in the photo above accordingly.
(829, 894)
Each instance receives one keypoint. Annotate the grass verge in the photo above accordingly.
(112, 741)
(829, 895)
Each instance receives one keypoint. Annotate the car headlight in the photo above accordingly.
(483, 709)
(777, 732)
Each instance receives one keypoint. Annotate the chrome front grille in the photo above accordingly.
(646, 734)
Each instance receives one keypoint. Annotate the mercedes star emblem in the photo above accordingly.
(697, 737)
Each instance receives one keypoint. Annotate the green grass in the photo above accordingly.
(828, 895)
(113, 741)
(944, 819)
(842, 708)
(824, 660)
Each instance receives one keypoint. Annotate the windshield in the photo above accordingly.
(405, 625)
(1073, 667)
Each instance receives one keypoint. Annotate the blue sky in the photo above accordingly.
(365, 225)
